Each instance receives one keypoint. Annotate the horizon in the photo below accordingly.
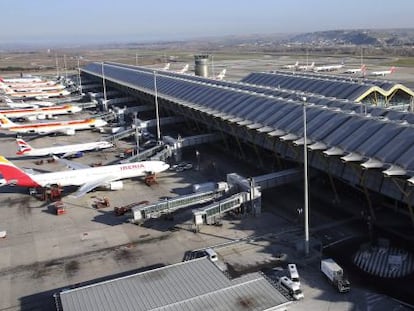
(56, 22)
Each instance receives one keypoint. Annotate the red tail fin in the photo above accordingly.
(23, 147)
(14, 175)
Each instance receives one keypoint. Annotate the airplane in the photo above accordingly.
(307, 67)
(294, 66)
(40, 113)
(65, 151)
(86, 177)
(26, 104)
(64, 127)
(166, 67)
(29, 84)
(31, 88)
(361, 69)
(38, 94)
(383, 73)
(184, 69)
(21, 80)
(328, 67)
(221, 75)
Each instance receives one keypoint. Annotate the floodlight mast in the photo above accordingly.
(305, 170)
(157, 115)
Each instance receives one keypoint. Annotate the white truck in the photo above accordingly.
(293, 271)
(291, 287)
(335, 274)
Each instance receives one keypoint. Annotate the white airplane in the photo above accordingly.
(294, 66)
(40, 113)
(31, 88)
(38, 94)
(166, 67)
(328, 67)
(21, 80)
(88, 178)
(64, 127)
(26, 84)
(361, 69)
(383, 73)
(26, 104)
(307, 67)
(65, 151)
(221, 75)
(184, 69)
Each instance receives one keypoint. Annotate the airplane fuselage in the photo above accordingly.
(81, 176)
(66, 149)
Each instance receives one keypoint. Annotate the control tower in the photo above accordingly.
(201, 65)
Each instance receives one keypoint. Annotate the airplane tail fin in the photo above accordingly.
(222, 74)
(12, 175)
(185, 69)
(23, 147)
(5, 122)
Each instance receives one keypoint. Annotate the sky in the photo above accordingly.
(83, 21)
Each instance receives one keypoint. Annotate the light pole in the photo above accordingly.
(157, 116)
(198, 159)
(136, 131)
(305, 170)
(104, 86)
(79, 77)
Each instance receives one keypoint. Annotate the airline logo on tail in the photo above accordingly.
(22, 146)
(15, 176)
(5, 123)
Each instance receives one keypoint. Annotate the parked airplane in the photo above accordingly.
(25, 84)
(88, 178)
(21, 80)
(328, 67)
(361, 69)
(64, 127)
(166, 67)
(307, 67)
(31, 88)
(184, 69)
(40, 113)
(383, 73)
(26, 104)
(65, 151)
(294, 66)
(38, 94)
(221, 74)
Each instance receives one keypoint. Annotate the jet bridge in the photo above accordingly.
(249, 196)
(141, 213)
(237, 192)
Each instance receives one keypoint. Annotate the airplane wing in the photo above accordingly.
(92, 185)
(71, 164)
(69, 154)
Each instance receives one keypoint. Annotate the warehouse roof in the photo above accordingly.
(192, 285)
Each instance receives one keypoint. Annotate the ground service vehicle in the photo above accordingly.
(212, 255)
(292, 287)
(294, 275)
(335, 274)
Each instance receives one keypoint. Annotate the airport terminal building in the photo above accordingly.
(353, 134)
